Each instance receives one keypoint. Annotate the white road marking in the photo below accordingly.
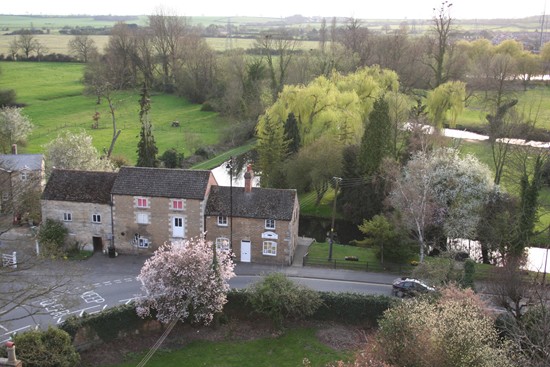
(14, 331)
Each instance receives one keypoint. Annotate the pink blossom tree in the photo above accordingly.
(186, 279)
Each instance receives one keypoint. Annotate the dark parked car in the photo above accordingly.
(408, 287)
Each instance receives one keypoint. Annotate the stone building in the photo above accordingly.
(82, 201)
(155, 205)
(259, 225)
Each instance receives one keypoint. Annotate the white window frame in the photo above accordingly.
(67, 217)
(141, 198)
(142, 218)
(175, 201)
(222, 221)
(143, 242)
(5, 196)
(270, 224)
(96, 218)
(222, 244)
(269, 248)
(24, 175)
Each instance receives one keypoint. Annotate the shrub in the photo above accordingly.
(454, 331)
(50, 348)
(52, 236)
(278, 298)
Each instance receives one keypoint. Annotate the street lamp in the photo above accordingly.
(331, 238)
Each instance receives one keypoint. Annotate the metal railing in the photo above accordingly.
(353, 264)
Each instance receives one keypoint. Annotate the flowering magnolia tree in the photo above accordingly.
(186, 279)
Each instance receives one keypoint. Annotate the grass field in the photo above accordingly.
(54, 102)
(288, 349)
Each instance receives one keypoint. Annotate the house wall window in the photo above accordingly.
(142, 202)
(269, 248)
(24, 176)
(270, 224)
(5, 196)
(96, 218)
(177, 204)
(222, 220)
(222, 244)
(67, 217)
(142, 218)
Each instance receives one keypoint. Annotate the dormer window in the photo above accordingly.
(270, 224)
(142, 202)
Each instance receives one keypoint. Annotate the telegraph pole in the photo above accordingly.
(331, 238)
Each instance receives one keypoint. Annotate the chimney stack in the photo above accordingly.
(248, 176)
(11, 361)
(14, 149)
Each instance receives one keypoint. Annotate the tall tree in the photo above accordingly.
(292, 133)
(83, 47)
(168, 30)
(376, 143)
(272, 149)
(442, 29)
(147, 147)
(278, 50)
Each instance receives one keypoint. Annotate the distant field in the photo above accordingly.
(53, 95)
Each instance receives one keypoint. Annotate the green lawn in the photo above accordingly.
(52, 93)
(287, 350)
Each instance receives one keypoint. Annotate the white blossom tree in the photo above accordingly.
(14, 127)
(440, 188)
(186, 279)
(74, 151)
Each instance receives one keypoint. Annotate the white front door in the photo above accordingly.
(177, 227)
(245, 251)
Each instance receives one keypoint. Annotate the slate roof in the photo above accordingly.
(79, 186)
(262, 203)
(19, 162)
(162, 182)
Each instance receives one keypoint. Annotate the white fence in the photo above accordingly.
(9, 260)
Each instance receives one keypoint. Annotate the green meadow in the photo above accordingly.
(54, 101)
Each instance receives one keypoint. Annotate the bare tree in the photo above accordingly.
(168, 30)
(442, 28)
(278, 49)
(83, 47)
(27, 43)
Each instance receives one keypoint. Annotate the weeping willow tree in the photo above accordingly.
(445, 103)
(334, 106)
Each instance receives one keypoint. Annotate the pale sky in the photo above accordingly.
(366, 9)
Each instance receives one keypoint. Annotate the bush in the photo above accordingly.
(50, 348)
(52, 236)
(278, 298)
(7, 97)
(107, 324)
(171, 158)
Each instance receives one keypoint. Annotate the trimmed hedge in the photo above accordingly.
(353, 308)
(108, 324)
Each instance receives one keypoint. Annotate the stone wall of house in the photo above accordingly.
(253, 230)
(81, 227)
(160, 221)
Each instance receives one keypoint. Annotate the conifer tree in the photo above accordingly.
(147, 148)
